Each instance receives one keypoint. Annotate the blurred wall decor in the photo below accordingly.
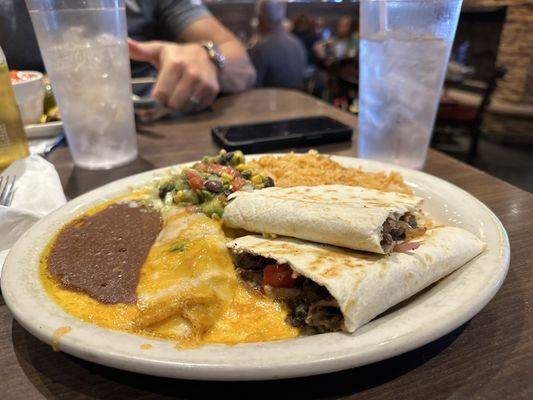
(515, 53)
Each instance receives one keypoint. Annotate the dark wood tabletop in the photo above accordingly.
(489, 357)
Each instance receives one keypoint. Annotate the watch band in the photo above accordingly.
(214, 55)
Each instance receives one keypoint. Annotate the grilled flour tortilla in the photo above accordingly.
(340, 289)
(347, 216)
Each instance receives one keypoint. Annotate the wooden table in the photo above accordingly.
(491, 356)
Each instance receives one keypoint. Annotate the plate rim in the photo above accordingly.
(177, 369)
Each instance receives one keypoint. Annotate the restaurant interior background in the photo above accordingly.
(488, 93)
(489, 85)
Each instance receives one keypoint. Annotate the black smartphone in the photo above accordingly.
(258, 137)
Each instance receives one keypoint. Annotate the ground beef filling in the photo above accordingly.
(395, 230)
(311, 308)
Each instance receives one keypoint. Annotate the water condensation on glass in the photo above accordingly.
(397, 95)
(86, 57)
(404, 50)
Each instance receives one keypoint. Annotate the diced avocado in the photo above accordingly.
(181, 183)
(246, 173)
(209, 159)
(213, 207)
(238, 158)
(205, 195)
(186, 196)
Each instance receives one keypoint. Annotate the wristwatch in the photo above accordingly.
(214, 55)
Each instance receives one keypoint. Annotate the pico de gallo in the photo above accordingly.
(206, 186)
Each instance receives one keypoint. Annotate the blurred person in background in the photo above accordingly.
(304, 29)
(344, 44)
(17, 38)
(278, 56)
(207, 58)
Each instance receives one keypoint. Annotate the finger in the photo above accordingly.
(167, 80)
(187, 85)
(205, 95)
(145, 51)
(145, 116)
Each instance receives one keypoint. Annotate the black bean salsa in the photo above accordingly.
(206, 186)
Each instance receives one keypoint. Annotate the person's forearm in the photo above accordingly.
(238, 73)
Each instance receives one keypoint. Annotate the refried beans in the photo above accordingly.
(101, 254)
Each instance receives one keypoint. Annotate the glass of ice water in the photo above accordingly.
(404, 51)
(84, 47)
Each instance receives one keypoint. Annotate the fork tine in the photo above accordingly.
(11, 192)
(3, 186)
(6, 190)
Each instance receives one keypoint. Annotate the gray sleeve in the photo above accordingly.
(176, 15)
(259, 64)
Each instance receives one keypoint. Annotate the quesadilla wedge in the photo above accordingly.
(329, 289)
(346, 216)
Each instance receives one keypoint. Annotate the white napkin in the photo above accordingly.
(38, 192)
(43, 146)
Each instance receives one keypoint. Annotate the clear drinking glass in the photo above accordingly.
(404, 50)
(85, 52)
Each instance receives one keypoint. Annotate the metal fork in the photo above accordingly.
(7, 188)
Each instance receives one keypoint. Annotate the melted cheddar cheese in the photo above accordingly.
(188, 291)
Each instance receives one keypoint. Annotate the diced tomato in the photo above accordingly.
(212, 167)
(215, 168)
(279, 276)
(405, 247)
(230, 171)
(195, 180)
(203, 167)
(218, 169)
(238, 183)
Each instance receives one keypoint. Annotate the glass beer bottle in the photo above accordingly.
(13, 143)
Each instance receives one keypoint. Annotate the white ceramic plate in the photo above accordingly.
(48, 129)
(426, 317)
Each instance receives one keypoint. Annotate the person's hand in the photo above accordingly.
(187, 78)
